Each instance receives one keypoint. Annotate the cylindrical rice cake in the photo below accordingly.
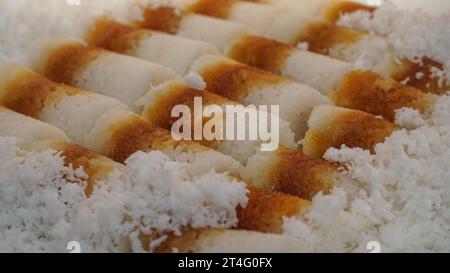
(258, 17)
(378, 95)
(38, 136)
(320, 72)
(71, 109)
(333, 127)
(171, 20)
(119, 134)
(172, 51)
(27, 129)
(292, 172)
(125, 78)
(263, 20)
(250, 85)
(266, 209)
(160, 101)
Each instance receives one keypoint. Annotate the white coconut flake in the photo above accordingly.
(413, 34)
(370, 53)
(403, 196)
(177, 200)
(41, 212)
(409, 118)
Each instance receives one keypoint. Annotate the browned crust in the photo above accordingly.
(408, 71)
(378, 95)
(266, 209)
(163, 18)
(134, 135)
(234, 81)
(115, 36)
(302, 176)
(180, 94)
(66, 62)
(266, 54)
(29, 93)
(95, 166)
(353, 129)
(334, 11)
(138, 134)
(322, 36)
(214, 8)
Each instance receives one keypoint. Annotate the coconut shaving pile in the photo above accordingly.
(403, 200)
(41, 212)
(412, 34)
